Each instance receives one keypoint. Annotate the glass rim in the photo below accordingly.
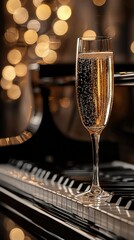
(97, 37)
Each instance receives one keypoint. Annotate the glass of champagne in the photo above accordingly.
(94, 93)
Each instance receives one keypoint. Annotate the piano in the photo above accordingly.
(40, 177)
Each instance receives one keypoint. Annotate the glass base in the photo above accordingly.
(95, 195)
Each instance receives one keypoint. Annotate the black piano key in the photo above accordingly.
(114, 196)
(130, 205)
(123, 200)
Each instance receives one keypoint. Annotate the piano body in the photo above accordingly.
(40, 176)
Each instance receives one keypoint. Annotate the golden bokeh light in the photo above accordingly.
(64, 12)
(8, 73)
(14, 92)
(16, 234)
(132, 47)
(89, 33)
(42, 49)
(99, 3)
(43, 12)
(51, 57)
(11, 35)
(60, 27)
(21, 70)
(20, 15)
(34, 25)
(30, 36)
(5, 84)
(14, 56)
(36, 3)
(43, 38)
(12, 5)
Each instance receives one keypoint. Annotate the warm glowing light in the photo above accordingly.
(99, 2)
(12, 5)
(42, 49)
(14, 56)
(20, 15)
(5, 84)
(14, 93)
(16, 234)
(51, 57)
(11, 35)
(43, 12)
(34, 25)
(89, 33)
(30, 36)
(8, 73)
(64, 12)
(60, 27)
(36, 3)
(43, 38)
(21, 69)
(132, 47)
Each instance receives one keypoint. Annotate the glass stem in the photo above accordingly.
(95, 138)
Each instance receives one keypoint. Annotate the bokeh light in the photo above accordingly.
(43, 12)
(51, 57)
(64, 12)
(14, 92)
(12, 5)
(34, 25)
(89, 33)
(30, 36)
(60, 27)
(8, 73)
(16, 234)
(21, 69)
(99, 3)
(14, 56)
(20, 15)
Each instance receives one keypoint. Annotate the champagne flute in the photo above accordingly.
(94, 93)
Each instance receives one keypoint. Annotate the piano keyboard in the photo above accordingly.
(115, 216)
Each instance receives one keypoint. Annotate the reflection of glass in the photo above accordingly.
(94, 90)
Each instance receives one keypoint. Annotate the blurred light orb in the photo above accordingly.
(99, 3)
(132, 47)
(60, 27)
(30, 36)
(9, 73)
(36, 3)
(14, 56)
(21, 69)
(5, 84)
(42, 49)
(43, 38)
(43, 12)
(89, 34)
(11, 35)
(64, 12)
(12, 5)
(16, 233)
(14, 93)
(20, 15)
(33, 25)
(51, 57)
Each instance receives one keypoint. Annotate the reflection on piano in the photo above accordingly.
(39, 178)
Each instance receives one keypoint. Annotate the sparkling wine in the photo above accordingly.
(94, 86)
